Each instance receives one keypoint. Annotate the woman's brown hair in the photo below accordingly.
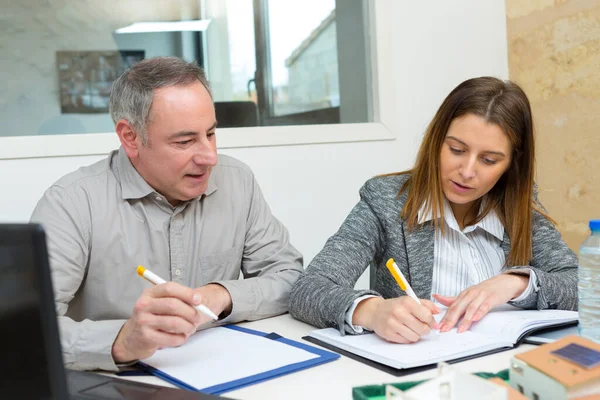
(502, 103)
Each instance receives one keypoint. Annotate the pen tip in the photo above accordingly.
(389, 263)
(140, 270)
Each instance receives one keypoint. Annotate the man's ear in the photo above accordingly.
(129, 138)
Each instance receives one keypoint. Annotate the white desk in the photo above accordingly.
(334, 380)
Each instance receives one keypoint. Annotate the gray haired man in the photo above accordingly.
(167, 201)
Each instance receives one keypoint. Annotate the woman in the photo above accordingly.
(463, 225)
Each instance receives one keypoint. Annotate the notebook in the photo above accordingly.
(502, 328)
(551, 334)
(226, 358)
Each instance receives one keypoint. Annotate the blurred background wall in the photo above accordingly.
(554, 54)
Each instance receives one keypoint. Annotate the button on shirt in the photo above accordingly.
(464, 258)
(104, 220)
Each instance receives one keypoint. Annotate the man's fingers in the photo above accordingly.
(174, 307)
(174, 289)
(171, 324)
(164, 339)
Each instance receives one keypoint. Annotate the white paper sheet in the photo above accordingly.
(221, 355)
(429, 350)
(498, 329)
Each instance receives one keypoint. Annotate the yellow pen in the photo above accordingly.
(402, 282)
(157, 280)
(400, 279)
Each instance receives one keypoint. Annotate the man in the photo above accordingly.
(166, 201)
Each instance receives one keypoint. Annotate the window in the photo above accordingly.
(297, 66)
(52, 102)
(285, 57)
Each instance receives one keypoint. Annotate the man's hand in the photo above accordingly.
(475, 302)
(164, 316)
(399, 320)
(215, 297)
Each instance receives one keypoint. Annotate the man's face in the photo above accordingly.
(182, 148)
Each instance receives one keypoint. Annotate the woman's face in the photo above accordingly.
(474, 156)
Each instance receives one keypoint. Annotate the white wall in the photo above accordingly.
(428, 49)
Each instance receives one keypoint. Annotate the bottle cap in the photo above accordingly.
(595, 224)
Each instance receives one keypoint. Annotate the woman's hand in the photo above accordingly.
(399, 320)
(475, 302)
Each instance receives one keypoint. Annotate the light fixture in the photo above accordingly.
(167, 26)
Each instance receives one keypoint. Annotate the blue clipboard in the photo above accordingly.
(323, 357)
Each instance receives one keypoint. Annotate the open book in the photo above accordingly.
(503, 327)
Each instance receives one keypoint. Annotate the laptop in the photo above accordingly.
(31, 364)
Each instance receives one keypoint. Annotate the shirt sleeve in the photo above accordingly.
(350, 314)
(529, 295)
(325, 292)
(85, 344)
(270, 264)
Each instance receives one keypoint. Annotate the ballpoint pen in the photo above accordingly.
(400, 279)
(402, 282)
(157, 280)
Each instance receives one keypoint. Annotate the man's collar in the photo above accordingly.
(212, 185)
(134, 186)
(490, 223)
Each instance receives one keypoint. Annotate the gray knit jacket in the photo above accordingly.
(374, 232)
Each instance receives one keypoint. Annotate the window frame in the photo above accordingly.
(383, 99)
(356, 77)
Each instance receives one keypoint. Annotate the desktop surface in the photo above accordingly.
(28, 290)
(336, 379)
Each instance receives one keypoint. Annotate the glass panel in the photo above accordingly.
(303, 54)
(61, 56)
(231, 59)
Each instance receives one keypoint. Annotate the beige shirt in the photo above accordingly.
(104, 220)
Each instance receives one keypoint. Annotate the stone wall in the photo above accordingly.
(554, 54)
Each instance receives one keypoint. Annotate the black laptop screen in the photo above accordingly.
(24, 363)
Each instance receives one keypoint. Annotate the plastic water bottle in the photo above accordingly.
(589, 284)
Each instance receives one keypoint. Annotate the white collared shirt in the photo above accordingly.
(463, 258)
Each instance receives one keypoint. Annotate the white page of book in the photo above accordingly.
(221, 355)
(430, 349)
(501, 327)
(510, 322)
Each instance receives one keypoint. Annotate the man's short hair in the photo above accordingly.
(132, 93)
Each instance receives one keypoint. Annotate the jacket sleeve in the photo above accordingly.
(555, 266)
(270, 264)
(324, 293)
(85, 344)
